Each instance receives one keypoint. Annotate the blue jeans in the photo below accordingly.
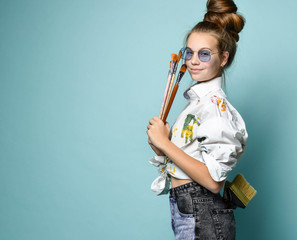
(197, 213)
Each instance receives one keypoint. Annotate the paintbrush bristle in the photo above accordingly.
(183, 68)
(181, 73)
(174, 57)
(242, 189)
(179, 56)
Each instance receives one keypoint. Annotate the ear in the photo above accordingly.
(224, 57)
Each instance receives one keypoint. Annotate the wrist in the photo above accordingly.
(165, 146)
(156, 150)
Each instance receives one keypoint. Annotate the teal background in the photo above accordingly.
(79, 81)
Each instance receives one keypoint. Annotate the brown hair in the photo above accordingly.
(224, 23)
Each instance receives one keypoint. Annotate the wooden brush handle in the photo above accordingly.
(170, 102)
(168, 95)
(165, 94)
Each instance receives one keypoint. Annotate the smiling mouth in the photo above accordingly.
(196, 70)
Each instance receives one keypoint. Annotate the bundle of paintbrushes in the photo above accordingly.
(168, 94)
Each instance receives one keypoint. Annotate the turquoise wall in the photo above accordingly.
(79, 81)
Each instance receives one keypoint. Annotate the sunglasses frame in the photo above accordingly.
(183, 50)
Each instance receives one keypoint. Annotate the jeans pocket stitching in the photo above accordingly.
(185, 215)
(215, 214)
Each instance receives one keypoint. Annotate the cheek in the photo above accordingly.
(214, 65)
(209, 67)
(187, 62)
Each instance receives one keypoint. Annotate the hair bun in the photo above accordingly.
(224, 14)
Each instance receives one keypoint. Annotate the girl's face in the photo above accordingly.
(204, 71)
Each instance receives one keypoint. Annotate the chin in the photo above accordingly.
(198, 78)
(201, 77)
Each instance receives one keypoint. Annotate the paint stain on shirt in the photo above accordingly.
(220, 102)
(187, 131)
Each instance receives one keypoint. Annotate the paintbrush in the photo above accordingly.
(171, 66)
(181, 73)
(167, 91)
(239, 192)
(171, 82)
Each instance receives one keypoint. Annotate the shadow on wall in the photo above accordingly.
(260, 164)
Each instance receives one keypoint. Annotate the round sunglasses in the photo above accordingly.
(204, 55)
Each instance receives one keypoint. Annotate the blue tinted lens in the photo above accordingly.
(204, 55)
(188, 54)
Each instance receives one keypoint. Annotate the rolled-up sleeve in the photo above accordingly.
(222, 141)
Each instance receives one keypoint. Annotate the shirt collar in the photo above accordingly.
(203, 88)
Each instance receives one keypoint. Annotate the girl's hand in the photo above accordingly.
(158, 132)
(156, 150)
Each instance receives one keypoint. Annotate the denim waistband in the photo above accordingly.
(192, 187)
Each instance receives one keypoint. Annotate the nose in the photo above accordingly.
(195, 60)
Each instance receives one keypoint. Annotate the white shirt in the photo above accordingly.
(209, 129)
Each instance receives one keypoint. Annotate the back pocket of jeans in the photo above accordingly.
(224, 223)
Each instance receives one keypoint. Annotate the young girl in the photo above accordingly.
(208, 137)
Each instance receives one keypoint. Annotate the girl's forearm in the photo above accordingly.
(195, 169)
